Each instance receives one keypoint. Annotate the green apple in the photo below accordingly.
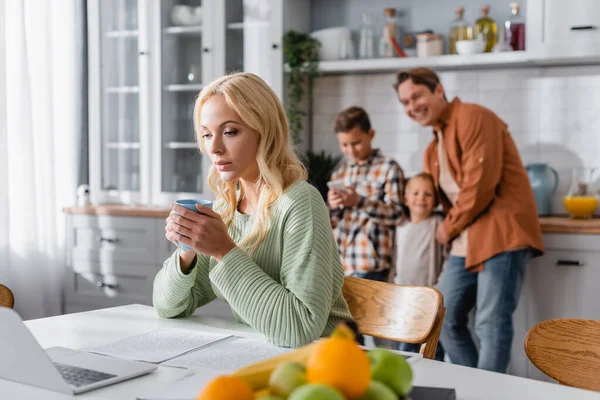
(316, 391)
(378, 391)
(270, 397)
(286, 377)
(392, 370)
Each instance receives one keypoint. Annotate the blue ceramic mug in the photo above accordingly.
(190, 204)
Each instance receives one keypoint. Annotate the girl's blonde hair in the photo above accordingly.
(260, 109)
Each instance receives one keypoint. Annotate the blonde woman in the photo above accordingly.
(267, 249)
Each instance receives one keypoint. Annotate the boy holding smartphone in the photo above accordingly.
(365, 199)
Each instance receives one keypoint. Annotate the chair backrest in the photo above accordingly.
(6, 297)
(412, 314)
(567, 350)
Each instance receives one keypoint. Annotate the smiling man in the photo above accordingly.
(491, 223)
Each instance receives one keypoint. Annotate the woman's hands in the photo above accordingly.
(205, 233)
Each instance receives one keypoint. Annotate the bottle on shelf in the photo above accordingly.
(487, 27)
(459, 30)
(514, 28)
(502, 45)
(389, 31)
(365, 46)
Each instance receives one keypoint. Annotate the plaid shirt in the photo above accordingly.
(365, 233)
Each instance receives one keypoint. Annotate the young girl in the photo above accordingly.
(419, 257)
(267, 249)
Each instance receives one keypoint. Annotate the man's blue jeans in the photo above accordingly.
(494, 292)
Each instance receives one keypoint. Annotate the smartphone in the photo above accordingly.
(337, 185)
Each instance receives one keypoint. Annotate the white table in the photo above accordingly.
(103, 326)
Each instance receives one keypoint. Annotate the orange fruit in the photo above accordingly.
(340, 363)
(226, 387)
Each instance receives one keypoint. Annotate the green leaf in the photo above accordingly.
(300, 53)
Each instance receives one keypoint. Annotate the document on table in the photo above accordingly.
(158, 345)
(229, 354)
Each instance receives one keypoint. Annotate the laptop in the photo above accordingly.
(57, 369)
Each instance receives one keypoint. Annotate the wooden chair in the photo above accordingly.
(411, 314)
(6, 297)
(567, 350)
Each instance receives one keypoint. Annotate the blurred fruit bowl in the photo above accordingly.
(580, 206)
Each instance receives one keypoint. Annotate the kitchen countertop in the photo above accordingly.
(553, 224)
(565, 224)
(120, 210)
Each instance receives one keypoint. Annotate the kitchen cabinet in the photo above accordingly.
(563, 283)
(147, 63)
(112, 259)
(558, 31)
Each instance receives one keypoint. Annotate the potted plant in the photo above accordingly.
(302, 66)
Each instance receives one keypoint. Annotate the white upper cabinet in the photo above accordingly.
(561, 30)
(117, 82)
(182, 59)
(148, 59)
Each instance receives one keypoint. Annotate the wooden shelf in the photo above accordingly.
(445, 62)
(191, 30)
(184, 87)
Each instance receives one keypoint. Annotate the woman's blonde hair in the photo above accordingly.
(260, 109)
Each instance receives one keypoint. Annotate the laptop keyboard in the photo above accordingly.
(77, 377)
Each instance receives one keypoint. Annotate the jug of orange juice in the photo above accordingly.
(582, 199)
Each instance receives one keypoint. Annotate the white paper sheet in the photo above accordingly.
(158, 345)
(229, 354)
(186, 389)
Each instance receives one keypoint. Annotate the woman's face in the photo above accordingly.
(230, 144)
(419, 197)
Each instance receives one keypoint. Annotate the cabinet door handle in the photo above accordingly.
(143, 53)
(570, 263)
(101, 284)
(206, 50)
(584, 28)
(274, 45)
(107, 240)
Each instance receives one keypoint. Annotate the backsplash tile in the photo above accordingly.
(553, 114)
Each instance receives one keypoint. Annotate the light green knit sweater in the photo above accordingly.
(290, 290)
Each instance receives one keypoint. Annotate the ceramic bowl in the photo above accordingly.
(470, 46)
(331, 41)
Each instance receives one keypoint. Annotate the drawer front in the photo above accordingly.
(576, 23)
(112, 286)
(561, 283)
(571, 241)
(120, 239)
(109, 267)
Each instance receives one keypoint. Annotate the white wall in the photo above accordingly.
(552, 113)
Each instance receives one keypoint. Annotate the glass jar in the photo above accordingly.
(514, 29)
(582, 199)
(429, 44)
(365, 45)
(486, 26)
(459, 30)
